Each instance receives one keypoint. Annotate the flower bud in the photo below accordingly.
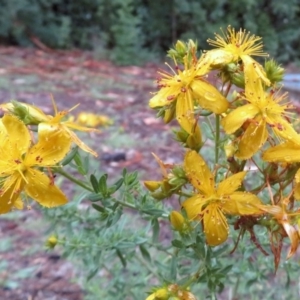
(177, 220)
(274, 71)
(152, 185)
(29, 114)
(51, 242)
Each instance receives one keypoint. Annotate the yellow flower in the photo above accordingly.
(186, 87)
(263, 108)
(238, 45)
(19, 164)
(212, 203)
(48, 121)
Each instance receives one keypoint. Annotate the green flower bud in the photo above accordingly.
(274, 71)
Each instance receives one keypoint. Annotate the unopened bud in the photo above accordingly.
(51, 242)
(274, 71)
(152, 185)
(177, 220)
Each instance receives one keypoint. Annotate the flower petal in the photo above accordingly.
(41, 189)
(198, 173)
(217, 57)
(185, 111)
(230, 184)
(286, 131)
(161, 97)
(216, 228)
(253, 70)
(242, 203)
(53, 145)
(18, 134)
(235, 119)
(252, 140)
(209, 97)
(193, 206)
(286, 152)
(10, 194)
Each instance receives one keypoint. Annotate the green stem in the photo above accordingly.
(73, 179)
(217, 139)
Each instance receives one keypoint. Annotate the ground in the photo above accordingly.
(27, 271)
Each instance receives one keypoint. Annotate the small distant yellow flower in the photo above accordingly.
(93, 120)
(238, 45)
(212, 203)
(188, 87)
(263, 111)
(47, 122)
(19, 163)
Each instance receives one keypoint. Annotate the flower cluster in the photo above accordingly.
(25, 156)
(254, 130)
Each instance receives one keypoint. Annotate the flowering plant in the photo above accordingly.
(250, 184)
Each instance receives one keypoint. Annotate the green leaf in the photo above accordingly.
(70, 156)
(103, 184)
(178, 244)
(95, 197)
(122, 258)
(145, 253)
(155, 230)
(94, 183)
(115, 186)
(153, 212)
(173, 268)
(92, 274)
(98, 208)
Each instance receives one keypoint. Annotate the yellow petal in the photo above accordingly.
(80, 143)
(297, 191)
(216, 228)
(286, 152)
(209, 97)
(42, 189)
(53, 145)
(185, 111)
(242, 203)
(235, 119)
(161, 97)
(10, 194)
(19, 136)
(253, 70)
(286, 130)
(252, 140)
(198, 173)
(217, 57)
(230, 184)
(193, 206)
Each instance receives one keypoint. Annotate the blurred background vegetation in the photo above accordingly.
(135, 31)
